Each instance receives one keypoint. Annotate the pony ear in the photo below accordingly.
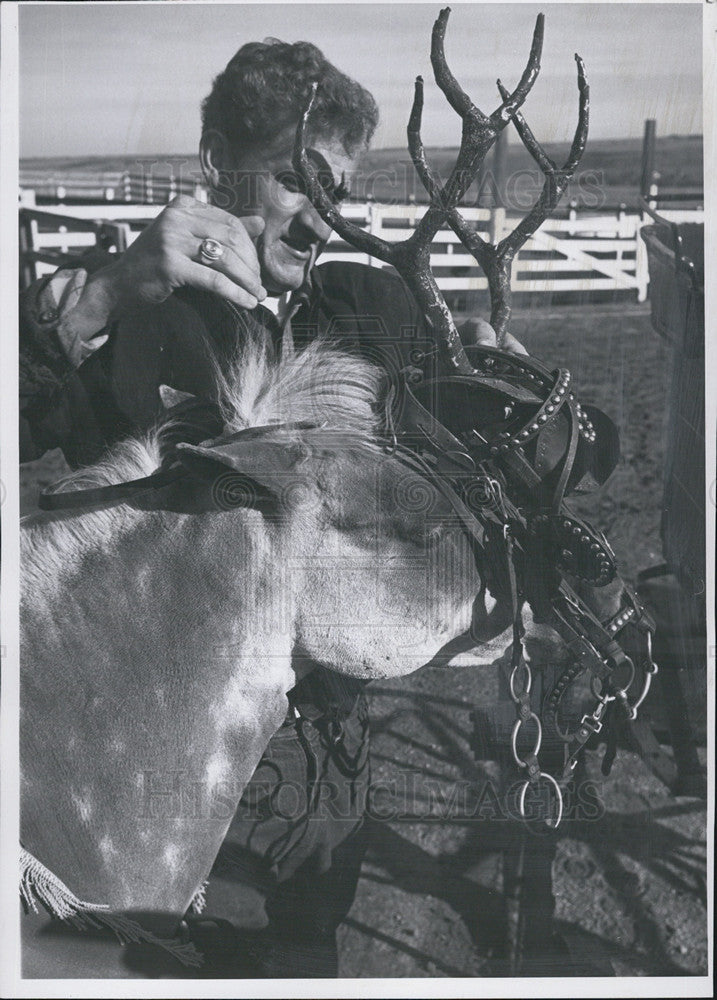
(173, 397)
(251, 472)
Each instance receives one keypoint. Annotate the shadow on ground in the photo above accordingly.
(628, 878)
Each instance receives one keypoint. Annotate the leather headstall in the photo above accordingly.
(511, 441)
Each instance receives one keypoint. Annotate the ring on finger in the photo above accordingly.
(210, 251)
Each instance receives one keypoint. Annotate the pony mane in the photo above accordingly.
(319, 384)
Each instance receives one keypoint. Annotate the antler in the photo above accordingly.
(411, 257)
(497, 260)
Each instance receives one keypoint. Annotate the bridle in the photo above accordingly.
(536, 547)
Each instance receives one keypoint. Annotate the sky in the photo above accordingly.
(128, 79)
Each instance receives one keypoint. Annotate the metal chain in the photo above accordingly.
(521, 694)
(520, 684)
(573, 616)
(530, 761)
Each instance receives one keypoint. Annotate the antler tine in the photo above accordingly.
(454, 93)
(556, 179)
(357, 237)
(497, 261)
(416, 148)
(413, 255)
(546, 164)
(479, 132)
(513, 101)
(581, 132)
(577, 148)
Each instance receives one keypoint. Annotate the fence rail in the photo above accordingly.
(582, 253)
(110, 186)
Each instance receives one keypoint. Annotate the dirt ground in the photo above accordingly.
(629, 877)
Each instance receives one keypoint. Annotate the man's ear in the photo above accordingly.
(214, 156)
(253, 472)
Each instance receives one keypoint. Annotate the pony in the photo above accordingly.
(161, 634)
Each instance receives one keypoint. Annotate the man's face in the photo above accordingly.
(264, 183)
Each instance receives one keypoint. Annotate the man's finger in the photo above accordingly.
(211, 280)
(513, 345)
(232, 235)
(236, 270)
(234, 266)
(253, 224)
(477, 331)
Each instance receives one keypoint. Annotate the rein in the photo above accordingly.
(119, 492)
(113, 493)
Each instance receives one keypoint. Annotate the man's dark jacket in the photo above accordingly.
(114, 393)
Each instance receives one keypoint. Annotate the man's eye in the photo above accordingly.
(335, 192)
(292, 181)
(341, 192)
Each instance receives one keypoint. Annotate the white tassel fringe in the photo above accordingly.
(199, 900)
(39, 885)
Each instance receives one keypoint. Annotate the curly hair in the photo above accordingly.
(265, 87)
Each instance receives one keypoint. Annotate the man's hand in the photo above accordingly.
(479, 331)
(165, 256)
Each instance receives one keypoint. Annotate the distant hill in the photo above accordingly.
(608, 175)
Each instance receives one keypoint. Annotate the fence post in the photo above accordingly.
(496, 224)
(642, 273)
(374, 227)
(624, 229)
(648, 156)
(572, 217)
(28, 269)
(113, 234)
(620, 233)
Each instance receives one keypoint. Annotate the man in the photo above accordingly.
(98, 339)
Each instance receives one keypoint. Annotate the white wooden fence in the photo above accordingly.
(581, 253)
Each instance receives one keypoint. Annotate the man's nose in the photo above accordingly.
(312, 221)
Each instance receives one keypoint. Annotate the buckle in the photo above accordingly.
(591, 723)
